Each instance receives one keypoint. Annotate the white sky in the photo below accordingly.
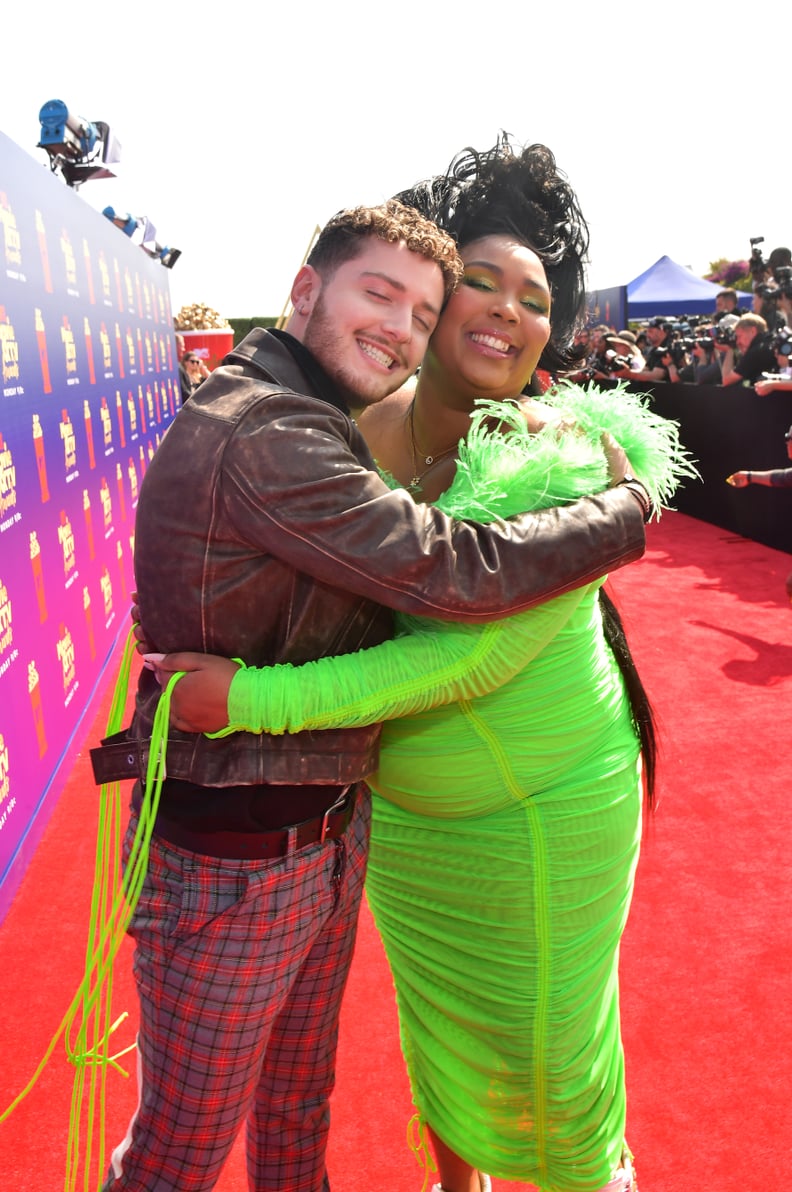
(239, 138)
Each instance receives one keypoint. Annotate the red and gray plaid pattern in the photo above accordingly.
(240, 968)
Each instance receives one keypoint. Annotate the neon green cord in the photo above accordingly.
(88, 1020)
(418, 1143)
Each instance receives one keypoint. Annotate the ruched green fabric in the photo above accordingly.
(505, 836)
(420, 669)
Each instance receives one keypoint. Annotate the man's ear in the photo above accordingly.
(305, 290)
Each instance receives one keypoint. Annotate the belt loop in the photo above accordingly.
(336, 807)
(291, 840)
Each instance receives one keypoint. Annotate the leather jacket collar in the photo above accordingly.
(257, 349)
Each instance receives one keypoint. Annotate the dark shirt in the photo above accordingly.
(759, 359)
(703, 372)
(185, 384)
(654, 358)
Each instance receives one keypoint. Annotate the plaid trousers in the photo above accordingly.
(240, 969)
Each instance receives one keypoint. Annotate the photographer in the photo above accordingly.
(676, 360)
(762, 270)
(595, 365)
(620, 353)
(623, 351)
(752, 341)
(704, 367)
(782, 378)
(780, 259)
(659, 335)
(726, 303)
(777, 478)
(772, 285)
(780, 295)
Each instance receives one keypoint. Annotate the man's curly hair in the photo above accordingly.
(343, 237)
(519, 193)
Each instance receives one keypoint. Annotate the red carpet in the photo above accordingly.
(707, 956)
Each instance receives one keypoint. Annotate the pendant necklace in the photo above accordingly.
(415, 487)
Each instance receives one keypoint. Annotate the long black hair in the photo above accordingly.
(643, 717)
(519, 193)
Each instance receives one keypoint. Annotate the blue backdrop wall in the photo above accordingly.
(89, 385)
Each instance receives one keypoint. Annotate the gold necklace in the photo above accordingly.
(414, 487)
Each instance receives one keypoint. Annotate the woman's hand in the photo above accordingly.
(199, 701)
(142, 645)
(738, 480)
(538, 415)
(618, 463)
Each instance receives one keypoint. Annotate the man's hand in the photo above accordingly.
(738, 480)
(768, 384)
(199, 701)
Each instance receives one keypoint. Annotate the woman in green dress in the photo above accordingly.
(507, 803)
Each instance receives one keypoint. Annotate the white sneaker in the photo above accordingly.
(624, 1180)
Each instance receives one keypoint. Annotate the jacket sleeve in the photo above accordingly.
(429, 666)
(293, 486)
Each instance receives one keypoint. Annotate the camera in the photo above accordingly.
(781, 343)
(725, 336)
(614, 362)
(780, 288)
(676, 350)
(783, 275)
(757, 263)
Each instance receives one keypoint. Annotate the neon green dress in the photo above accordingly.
(505, 834)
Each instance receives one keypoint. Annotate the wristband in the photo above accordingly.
(639, 492)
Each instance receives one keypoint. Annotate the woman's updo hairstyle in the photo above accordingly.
(523, 195)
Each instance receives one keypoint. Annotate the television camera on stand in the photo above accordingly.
(78, 149)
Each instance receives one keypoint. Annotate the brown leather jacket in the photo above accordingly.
(264, 534)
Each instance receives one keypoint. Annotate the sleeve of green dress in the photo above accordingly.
(499, 472)
(414, 672)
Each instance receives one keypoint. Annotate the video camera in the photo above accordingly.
(141, 231)
(757, 265)
(78, 148)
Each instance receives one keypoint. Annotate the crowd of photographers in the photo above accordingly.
(725, 348)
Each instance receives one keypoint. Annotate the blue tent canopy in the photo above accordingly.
(667, 288)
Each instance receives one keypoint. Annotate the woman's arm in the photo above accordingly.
(497, 475)
(777, 478)
(416, 671)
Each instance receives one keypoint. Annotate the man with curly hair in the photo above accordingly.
(264, 532)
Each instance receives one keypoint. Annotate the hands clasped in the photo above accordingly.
(199, 701)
